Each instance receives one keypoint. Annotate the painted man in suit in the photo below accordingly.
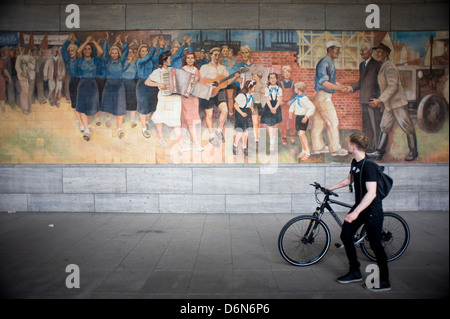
(368, 89)
(395, 104)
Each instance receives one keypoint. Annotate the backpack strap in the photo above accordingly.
(360, 179)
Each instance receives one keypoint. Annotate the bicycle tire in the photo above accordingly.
(395, 238)
(296, 245)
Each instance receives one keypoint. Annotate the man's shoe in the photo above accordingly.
(384, 286)
(377, 155)
(340, 152)
(413, 154)
(352, 276)
(325, 149)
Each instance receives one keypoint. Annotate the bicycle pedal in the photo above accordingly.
(337, 245)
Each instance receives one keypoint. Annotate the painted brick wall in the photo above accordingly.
(347, 105)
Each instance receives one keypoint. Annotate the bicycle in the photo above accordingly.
(305, 239)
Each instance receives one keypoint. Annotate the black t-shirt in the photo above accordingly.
(369, 174)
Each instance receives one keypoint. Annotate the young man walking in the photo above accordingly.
(367, 210)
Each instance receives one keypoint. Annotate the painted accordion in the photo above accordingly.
(179, 81)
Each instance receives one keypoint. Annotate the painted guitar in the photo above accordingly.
(220, 82)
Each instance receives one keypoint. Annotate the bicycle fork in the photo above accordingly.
(308, 238)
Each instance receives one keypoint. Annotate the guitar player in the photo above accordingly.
(215, 71)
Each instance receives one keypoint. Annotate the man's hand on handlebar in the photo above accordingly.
(324, 190)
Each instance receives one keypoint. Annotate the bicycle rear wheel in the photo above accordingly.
(304, 240)
(395, 238)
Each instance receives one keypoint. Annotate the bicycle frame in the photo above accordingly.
(326, 205)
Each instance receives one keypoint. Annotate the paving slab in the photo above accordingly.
(198, 256)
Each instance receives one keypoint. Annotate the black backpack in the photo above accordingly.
(384, 181)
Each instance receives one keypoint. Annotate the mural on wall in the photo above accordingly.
(233, 96)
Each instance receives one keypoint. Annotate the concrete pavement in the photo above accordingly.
(206, 256)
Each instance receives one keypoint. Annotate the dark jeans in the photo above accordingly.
(373, 224)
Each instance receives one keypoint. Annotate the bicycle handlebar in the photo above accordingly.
(323, 189)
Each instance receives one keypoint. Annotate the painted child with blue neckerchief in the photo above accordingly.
(303, 109)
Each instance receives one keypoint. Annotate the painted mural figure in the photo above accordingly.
(114, 98)
(39, 82)
(368, 89)
(190, 112)
(4, 79)
(303, 109)
(232, 88)
(69, 54)
(146, 96)
(243, 109)
(260, 99)
(178, 51)
(25, 66)
(8, 56)
(395, 104)
(326, 116)
(88, 101)
(211, 73)
(271, 114)
(129, 76)
(54, 72)
(168, 109)
(287, 86)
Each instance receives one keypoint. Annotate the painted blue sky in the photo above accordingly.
(416, 40)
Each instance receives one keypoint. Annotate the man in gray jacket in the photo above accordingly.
(54, 72)
(25, 66)
(395, 104)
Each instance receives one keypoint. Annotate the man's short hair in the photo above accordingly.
(360, 140)
(214, 49)
(367, 45)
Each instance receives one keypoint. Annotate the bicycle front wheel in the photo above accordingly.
(304, 240)
(395, 238)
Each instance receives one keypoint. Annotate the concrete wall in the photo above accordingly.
(50, 15)
(204, 188)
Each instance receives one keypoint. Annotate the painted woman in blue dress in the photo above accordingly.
(146, 96)
(69, 54)
(129, 76)
(113, 100)
(87, 95)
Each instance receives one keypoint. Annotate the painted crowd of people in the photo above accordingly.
(118, 77)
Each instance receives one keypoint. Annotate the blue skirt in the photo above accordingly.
(73, 90)
(147, 97)
(243, 123)
(270, 119)
(130, 94)
(87, 97)
(113, 100)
